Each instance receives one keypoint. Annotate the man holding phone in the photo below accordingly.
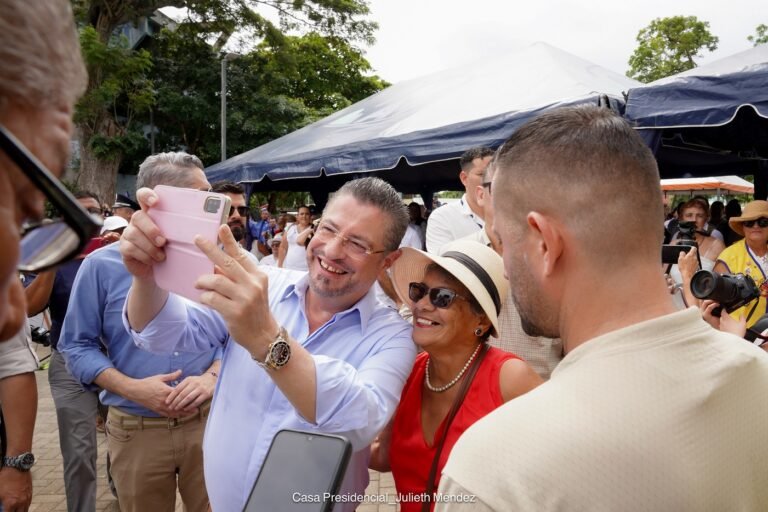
(303, 350)
(157, 405)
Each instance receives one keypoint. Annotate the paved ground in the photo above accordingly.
(49, 483)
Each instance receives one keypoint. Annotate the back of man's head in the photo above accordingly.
(587, 168)
(40, 61)
(379, 193)
(172, 169)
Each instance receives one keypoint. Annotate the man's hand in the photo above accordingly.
(152, 392)
(688, 264)
(142, 243)
(15, 490)
(191, 393)
(238, 290)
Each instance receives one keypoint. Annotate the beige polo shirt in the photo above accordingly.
(665, 415)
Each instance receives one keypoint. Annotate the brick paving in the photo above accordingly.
(48, 479)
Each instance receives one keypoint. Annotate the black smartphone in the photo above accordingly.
(669, 253)
(303, 471)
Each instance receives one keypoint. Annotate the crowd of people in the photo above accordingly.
(519, 348)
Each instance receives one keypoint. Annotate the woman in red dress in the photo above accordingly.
(455, 299)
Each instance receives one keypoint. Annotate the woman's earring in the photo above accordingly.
(479, 332)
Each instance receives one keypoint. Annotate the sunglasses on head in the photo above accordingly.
(438, 297)
(241, 210)
(762, 222)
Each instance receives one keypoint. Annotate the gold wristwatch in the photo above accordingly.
(278, 352)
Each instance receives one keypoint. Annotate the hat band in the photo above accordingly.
(480, 273)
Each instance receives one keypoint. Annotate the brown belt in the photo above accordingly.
(128, 421)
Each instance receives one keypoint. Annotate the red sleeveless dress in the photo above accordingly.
(410, 457)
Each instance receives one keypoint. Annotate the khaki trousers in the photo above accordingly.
(150, 456)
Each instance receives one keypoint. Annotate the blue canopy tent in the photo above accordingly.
(708, 121)
(412, 133)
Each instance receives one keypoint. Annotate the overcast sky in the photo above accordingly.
(416, 37)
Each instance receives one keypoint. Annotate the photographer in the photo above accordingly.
(691, 231)
(749, 256)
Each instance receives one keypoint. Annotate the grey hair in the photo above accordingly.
(377, 192)
(163, 168)
(40, 61)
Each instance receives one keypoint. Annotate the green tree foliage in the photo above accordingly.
(104, 147)
(760, 36)
(668, 46)
(271, 91)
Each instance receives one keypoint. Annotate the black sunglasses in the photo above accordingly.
(438, 297)
(241, 210)
(762, 222)
(47, 243)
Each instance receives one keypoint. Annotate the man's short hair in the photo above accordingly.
(227, 187)
(84, 194)
(588, 168)
(470, 155)
(377, 192)
(163, 168)
(40, 61)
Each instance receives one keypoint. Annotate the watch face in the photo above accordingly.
(27, 460)
(281, 352)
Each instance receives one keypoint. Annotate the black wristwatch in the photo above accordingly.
(22, 462)
(278, 352)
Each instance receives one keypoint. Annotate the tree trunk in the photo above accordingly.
(96, 175)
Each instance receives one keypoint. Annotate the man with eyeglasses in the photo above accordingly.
(157, 404)
(303, 350)
(465, 216)
(41, 76)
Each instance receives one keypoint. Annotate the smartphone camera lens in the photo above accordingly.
(212, 204)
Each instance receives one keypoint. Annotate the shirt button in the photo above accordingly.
(175, 353)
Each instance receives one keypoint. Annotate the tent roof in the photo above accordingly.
(708, 95)
(721, 183)
(430, 120)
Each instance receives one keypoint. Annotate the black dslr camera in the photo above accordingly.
(41, 336)
(686, 233)
(731, 291)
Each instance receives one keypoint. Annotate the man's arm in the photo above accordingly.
(326, 392)
(18, 394)
(38, 292)
(79, 343)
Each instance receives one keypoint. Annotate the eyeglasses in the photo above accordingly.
(241, 210)
(762, 222)
(438, 297)
(49, 242)
(355, 248)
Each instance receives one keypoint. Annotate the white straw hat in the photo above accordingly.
(473, 264)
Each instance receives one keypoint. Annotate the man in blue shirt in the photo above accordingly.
(262, 230)
(309, 350)
(158, 405)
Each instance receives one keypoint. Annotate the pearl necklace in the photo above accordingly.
(455, 379)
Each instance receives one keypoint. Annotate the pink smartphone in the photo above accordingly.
(182, 213)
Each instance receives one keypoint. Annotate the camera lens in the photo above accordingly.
(212, 204)
(703, 284)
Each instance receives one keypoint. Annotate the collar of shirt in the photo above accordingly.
(363, 308)
(466, 210)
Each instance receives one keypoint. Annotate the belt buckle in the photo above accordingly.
(173, 423)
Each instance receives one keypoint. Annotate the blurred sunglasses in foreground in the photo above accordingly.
(438, 297)
(47, 243)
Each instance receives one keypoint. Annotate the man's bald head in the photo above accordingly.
(587, 168)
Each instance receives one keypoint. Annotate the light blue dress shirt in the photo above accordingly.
(94, 317)
(362, 356)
